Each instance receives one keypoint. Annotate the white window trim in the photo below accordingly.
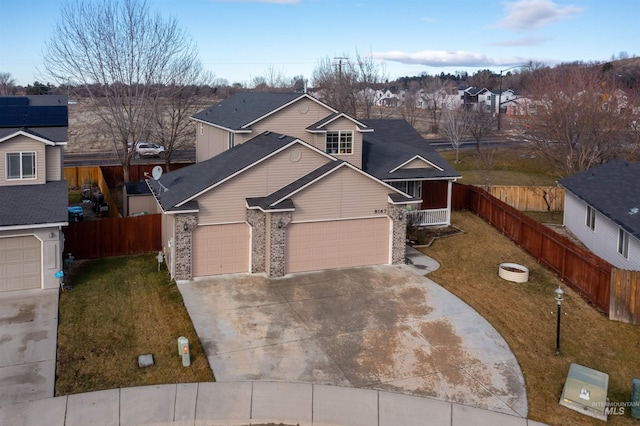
(340, 133)
(201, 129)
(623, 243)
(35, 166)
(590, 220)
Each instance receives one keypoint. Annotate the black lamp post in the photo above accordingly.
(559, 298)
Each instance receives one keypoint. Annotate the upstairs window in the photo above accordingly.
(591, 218)
(623, 243)
(21, 165)
(339, 142)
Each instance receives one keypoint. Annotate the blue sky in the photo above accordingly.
(242, 39)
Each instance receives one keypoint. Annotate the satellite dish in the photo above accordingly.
(156, 172)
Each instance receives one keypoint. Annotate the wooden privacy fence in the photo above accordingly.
(625, 296)
(95, 239)
(91, 175)
(530, 198)
(578, 267)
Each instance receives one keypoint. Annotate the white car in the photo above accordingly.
(148, 149)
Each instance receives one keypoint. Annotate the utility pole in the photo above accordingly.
(340, 59)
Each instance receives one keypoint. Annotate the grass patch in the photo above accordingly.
(120, 308)
(511, 166)
(75, 197)
(525, 315)
(555, 218)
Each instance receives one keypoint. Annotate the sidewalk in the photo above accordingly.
(244, 403)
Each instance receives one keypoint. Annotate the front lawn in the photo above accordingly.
(525, 315)
(120, 308)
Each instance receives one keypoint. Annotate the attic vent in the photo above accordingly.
(268, 132)
(633, 210)
(282, 136)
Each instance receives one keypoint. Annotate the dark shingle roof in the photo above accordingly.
(54, 134)
(613, 189)
(24, 205)
(243, 108)
(184, 183)
(394, 142)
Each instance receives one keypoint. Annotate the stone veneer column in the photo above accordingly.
(258, 221)
(185, 224)
(277, 242)
(398, 215)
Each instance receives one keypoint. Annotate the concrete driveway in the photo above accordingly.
(380, 327)
(28, 336)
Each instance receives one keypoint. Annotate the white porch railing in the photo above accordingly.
(434, 217)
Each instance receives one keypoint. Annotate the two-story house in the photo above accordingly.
(33, 192)
(284, 183)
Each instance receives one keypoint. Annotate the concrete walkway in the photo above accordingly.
(245, 403)
(28, 325)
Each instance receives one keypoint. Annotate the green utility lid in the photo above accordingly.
(585, 391)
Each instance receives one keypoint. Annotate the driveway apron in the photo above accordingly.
(28, 336)
(381, 327)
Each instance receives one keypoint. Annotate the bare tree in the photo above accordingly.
(580, 119)
(481, 124)
(343, 83)
(455, 127)
(123, 55)
(435, 93)
(7, 84)
(411, 105)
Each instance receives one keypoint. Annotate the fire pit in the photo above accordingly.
(513, 272)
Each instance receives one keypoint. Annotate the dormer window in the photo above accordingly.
(339, 142)
(21, 165)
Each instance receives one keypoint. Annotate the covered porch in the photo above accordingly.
(435, 209)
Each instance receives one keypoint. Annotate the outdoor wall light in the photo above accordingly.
(401, 216)
(280, 224)
(186, 226)
(559, 298)
(52, 234)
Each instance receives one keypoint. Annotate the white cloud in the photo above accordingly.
(527, 41)
(427, 19)
(442, 58)
(531, 14)
(436, 58)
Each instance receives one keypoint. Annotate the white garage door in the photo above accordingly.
(20, 263)
(337, 244)
(221, 249)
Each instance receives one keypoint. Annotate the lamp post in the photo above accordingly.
(559, 298)
(500, 92)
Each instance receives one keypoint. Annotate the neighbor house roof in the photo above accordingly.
(41, 116)
(175, 189)
(394, 143)
(613, 189)
(239, 111)
(33, 205)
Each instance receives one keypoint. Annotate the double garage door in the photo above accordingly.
(20, 260)
(337, 244)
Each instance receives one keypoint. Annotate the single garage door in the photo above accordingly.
(20, 263)
(221, 249)
(337, 244)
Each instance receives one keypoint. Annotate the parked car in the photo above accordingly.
(148, 149)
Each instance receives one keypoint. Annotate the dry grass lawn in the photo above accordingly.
(120, 308)
(525, 315)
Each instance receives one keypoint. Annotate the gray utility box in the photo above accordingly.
(585, 391)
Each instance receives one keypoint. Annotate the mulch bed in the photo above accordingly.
(425, 236)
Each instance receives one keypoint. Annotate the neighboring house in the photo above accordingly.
(284, 183)
(477, 97)
(602, 210)
(33, 192)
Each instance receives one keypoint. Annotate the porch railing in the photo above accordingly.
(433, 217)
